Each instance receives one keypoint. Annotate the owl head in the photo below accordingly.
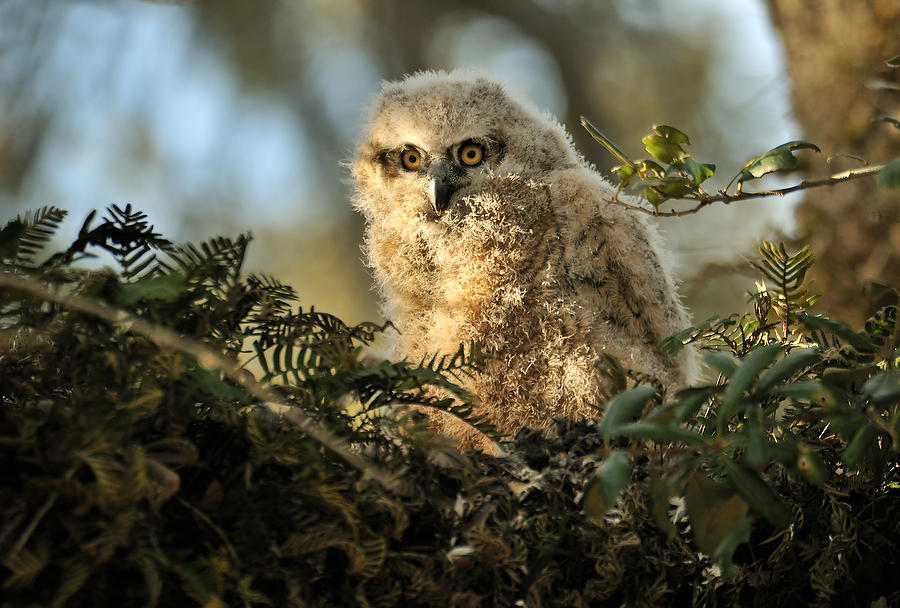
(436, 138)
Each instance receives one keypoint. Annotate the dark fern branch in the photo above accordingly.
(126, 235)
(28, 234)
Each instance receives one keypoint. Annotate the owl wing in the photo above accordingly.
(615, 268)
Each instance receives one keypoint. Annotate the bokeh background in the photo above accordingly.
(228, 116)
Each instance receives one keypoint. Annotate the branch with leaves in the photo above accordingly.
(672, 174)
(675, 175)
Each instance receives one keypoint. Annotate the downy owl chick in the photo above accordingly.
(484, 223)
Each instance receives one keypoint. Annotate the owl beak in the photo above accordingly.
(441, 187)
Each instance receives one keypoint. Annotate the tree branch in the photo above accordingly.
(704, 199)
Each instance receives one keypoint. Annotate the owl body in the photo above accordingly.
(483, 223)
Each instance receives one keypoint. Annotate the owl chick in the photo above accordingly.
(484, 223)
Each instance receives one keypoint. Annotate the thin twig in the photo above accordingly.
(219, 532)
(206, 357)
(38, 516)
(212, 526)
(704, 200)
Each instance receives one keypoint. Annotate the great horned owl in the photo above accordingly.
(484, 223)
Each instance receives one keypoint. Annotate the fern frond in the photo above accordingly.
(26, 235)
(25, 566)
(314, 326)
(786, 273)
(148, 561)
(466, 359)
(274, 296)
(217, 254)
(75, 573)
(108, 473)
(402, 383)
(736, 332)
(127, 236)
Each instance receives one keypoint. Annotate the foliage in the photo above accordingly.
(802, 409)
(673, 174)
(145, 466)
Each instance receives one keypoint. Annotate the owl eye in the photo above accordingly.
(471, 154)
(412, 159)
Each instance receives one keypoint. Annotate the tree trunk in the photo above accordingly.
(834, 49)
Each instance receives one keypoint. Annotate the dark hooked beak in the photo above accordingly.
(442, 186)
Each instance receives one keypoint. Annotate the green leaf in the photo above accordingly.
(759, 448)
(605, 142)
(648, 167)
(653, 197)
(672, 134)
(690, 400)
(623, 409)
(811, 391)
(889, 176)
(625, 173)
(811, 466)
(603, 489)
(163, 288)
(847, 378)
(757, 492)
(780, 158)
(722, 362)
(787, 367)
(665, 142)
(661, 432)
(753, 364)
(714, 510)
(671, 187)
(883, 390)
(212, 383)
(26, 235)
(698, 172)
(859, 341)
(862, 441)
(678, 187)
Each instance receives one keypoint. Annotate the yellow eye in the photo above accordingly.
(412, 159)
(471, 154)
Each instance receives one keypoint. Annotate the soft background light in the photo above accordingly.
(231, 116)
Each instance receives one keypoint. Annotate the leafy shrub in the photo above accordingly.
(176, 433)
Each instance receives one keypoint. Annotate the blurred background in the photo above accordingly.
(227, 116)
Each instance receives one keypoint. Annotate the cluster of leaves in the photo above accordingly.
(672, 173)
(144, 466)
(138, 473)
(800, 426)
